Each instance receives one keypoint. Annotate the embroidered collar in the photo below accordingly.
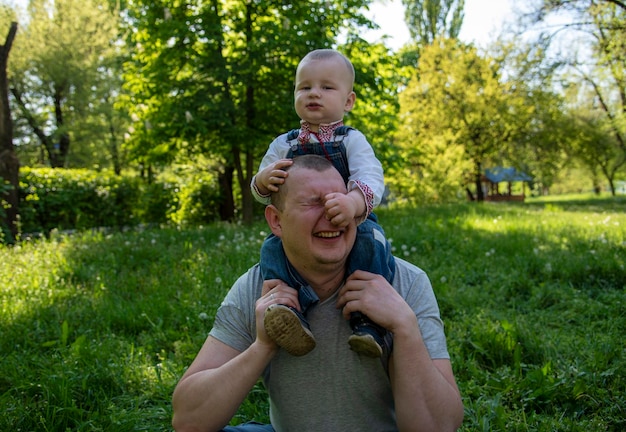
(325, 132)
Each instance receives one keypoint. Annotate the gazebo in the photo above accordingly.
(494, 176)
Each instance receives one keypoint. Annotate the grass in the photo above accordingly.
(96, 328)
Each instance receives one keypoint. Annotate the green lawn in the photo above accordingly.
(96, 328)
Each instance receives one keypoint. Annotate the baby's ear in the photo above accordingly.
(350, 102)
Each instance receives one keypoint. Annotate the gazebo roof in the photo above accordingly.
(501, 174)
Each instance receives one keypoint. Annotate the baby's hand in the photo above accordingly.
(341, 208)
(268, 179)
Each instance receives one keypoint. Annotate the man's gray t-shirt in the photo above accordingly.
(332, 388)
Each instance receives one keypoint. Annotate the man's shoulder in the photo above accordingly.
(251, 281)
(252, 274)
(407, 266)
(408, 274)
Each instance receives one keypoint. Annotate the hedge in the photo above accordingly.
(77, 199)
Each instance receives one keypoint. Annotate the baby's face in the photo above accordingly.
(323, 91)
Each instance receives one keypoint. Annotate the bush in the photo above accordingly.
(82, 199)
(197, 200)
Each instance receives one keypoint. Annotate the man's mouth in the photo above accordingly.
(328, 234)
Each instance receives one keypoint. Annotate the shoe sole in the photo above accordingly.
(365, 344)
(284, 327)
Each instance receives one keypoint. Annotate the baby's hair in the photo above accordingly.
(326, 53)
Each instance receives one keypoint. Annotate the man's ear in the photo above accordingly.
(272, 216)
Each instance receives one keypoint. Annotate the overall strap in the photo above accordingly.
(343, 130)
(293, 134)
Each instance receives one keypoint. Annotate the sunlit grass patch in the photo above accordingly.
(96, 328)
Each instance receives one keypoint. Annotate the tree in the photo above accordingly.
(63, 55)
(596, 147)
(428, 20)
(9, 164)
(376, 85)
(540, 147)
(600, 77)
(217, 78)
(456, 115)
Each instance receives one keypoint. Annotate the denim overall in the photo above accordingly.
(371, 251)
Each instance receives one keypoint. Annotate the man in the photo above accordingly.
(331, 388)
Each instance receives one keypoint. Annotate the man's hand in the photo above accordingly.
(272, 176)
(274, 291)
(373, 296)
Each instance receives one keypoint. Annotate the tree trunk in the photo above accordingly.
(61, 149)
(9, 164)
(227, 205)
(480, 196)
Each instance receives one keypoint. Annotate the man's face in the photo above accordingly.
(310, 241)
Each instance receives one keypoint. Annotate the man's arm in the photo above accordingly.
(212, 389)
(220, 377)
(425, 394)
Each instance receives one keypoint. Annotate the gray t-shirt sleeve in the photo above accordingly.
(414, 286)
(235, 323)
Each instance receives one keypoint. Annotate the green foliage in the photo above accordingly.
(462, 112)
(591, 81)
(96, 329)
(198, 198)
(75, 199)
(429, 19)
(81, 199)
(63, 82)
(216, 78)
(376, 109)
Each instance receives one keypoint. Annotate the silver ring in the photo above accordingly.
(271, 296)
